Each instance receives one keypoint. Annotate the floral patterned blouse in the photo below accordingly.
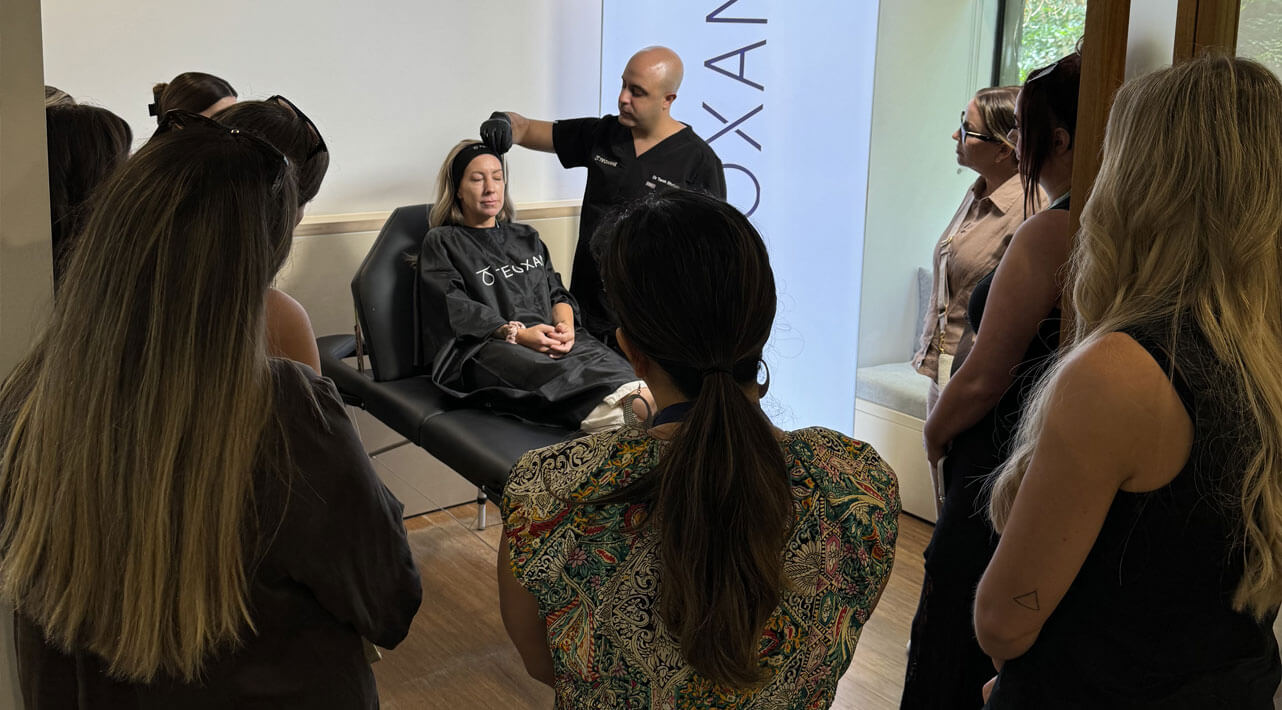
(593, 571)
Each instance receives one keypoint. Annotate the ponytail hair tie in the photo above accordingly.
(715, 371)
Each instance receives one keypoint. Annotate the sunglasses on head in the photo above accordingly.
(1047, 70)
(311, 127)
(180, 120)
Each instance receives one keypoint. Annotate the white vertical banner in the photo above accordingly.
(782, 91)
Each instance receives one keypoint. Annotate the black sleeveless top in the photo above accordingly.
(1003, 421)
(978, 451)
(1148, 621)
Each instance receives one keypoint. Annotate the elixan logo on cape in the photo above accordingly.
(509, 270)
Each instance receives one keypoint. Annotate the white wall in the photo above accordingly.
(1150, 38)
(932, 55)
(392, 84)
(797, 162)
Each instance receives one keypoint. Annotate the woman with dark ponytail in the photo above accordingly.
(193, 91)
(706, 558)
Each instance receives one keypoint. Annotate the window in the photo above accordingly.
(1038, 32)
(1259, 34)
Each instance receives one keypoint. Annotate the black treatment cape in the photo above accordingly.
(470, 282)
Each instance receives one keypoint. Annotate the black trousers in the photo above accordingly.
(946, 667)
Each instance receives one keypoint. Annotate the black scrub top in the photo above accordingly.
(616, 176)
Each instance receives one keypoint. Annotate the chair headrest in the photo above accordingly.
(383, 291)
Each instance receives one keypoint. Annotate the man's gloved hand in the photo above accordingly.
(496, 132)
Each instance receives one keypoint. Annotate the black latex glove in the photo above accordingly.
(496, 132)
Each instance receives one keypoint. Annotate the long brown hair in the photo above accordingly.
(132, 428)
(691, 282)
(291, 133)
(86, 145)
(1047, 101)
(1185, 219)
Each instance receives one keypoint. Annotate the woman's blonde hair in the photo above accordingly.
(1186, 218)
(445, 210)
(996, 107)
(132, 429)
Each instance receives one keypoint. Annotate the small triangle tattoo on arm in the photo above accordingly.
(1029, 601)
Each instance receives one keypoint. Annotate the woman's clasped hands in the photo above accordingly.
(555, 340)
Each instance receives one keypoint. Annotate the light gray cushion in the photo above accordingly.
(895, 385)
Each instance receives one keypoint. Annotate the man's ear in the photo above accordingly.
(640, 363)
(668, 99)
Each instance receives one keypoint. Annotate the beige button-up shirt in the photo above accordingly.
(970, 247)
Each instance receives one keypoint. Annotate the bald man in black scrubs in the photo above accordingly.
(641, 150)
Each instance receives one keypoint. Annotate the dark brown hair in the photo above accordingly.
(86, 145)
(290, 133)
(1048, 101)
(691, 283)
(190, 91)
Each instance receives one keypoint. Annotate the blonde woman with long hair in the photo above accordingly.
(496, 325)
(1140, 562)
(184, 521)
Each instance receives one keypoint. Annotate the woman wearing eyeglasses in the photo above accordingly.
(289, 330)
(186, 521)
(975, 239)
(1014, 312)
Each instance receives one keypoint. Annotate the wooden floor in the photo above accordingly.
(458, 656)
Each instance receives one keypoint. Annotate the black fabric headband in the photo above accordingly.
(465, 157)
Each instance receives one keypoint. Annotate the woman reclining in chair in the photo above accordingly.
(496, 326)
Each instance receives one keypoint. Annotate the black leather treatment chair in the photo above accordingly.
(479, 444)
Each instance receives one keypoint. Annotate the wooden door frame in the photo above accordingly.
(1201, 26)
(1103, 71)
(1206, 26)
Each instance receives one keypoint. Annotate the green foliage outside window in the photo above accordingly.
(1051, 28)
(1260, 32)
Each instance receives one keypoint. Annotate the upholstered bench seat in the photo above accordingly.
(895, 385)
(479, 444)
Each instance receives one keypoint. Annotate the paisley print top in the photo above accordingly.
(593, 571)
